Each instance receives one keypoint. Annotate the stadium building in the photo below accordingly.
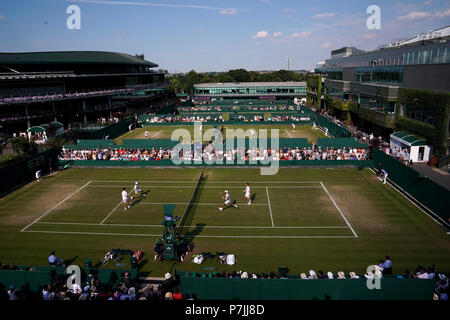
(250, 90)
(74, 87)
(401, 86)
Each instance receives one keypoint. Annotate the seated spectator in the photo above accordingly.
(387, 265)
(158, 249)
(53, 260)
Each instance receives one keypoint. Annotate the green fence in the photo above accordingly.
(24, 170)
(340, 143)
(428, 193)
(40, 276)
(113, 131)
(310, 289)
(333, 129)
(147, 143)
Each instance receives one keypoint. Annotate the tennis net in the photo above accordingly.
(191, 203)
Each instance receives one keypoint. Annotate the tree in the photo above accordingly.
(225, 77)
(175, 86)
(21, 145)
(240, 75)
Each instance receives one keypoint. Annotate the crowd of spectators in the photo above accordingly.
(401, 155)
(210, 154)
(127, 288)
(149, 119)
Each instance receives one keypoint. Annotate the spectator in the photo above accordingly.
(127, 281)
(12, 293)
(53, 260)
(158, 248)
(387, 265)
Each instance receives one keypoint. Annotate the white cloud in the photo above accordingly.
(304, 34)
(166, 5)
(260, 34)
(227, 11)
(289, 10)
(2, 17)
(277, 34)
(427, 3)
(413, 16)
(323, 15)
(326, 45)
(442, 14)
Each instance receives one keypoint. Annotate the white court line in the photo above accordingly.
(288, 133)
(155, 134)
(356, 236)
(209, 187)
(115, 208)
(55, 206)
(198, 236)
(203, 203)
(270, 207)
(209, 182)
(205, 227)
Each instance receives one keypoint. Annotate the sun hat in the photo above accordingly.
(244, 275)
(330, 275)
(167, 275)
(312, 273)
(168, 295)
(303, 276)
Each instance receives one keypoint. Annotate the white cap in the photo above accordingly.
(167, 275)
(137, 182)
(226, 191)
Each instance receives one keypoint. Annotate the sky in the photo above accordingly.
(215, 35)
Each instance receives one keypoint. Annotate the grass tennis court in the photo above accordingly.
(165, 132)
(333, 219)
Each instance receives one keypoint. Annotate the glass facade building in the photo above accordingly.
(250, 89)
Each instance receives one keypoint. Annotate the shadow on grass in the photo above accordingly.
(68, 262)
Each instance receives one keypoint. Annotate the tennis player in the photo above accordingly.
(247, 194)
(126, 202)
(227, 202)
(137, 191)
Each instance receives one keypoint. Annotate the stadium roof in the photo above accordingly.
(408, 139)
(73, 57)
(249, 84)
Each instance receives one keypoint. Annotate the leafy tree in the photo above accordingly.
(21, 145)
(225, 77)
(175, 86)
(240, 75)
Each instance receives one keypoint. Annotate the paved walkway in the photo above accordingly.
(439, 176)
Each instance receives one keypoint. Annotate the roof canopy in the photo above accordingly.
(408, 139)
(73, 57)
(36, 129)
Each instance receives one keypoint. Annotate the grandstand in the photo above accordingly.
(74, 87)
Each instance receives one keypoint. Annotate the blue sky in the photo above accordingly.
(215, 35)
